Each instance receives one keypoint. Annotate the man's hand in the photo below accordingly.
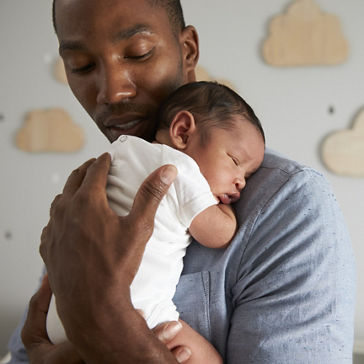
(40, 350)
(92, 256)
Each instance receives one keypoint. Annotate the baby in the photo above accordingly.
(216, 142)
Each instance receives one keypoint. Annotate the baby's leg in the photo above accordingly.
(202, 351)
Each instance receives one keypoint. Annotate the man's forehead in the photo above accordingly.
(93, 9)
(73, 16)
(106, 3)
(109, 2)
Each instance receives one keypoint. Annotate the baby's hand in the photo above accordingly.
(166, 333)
(186, 344)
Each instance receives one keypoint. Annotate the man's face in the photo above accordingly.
(122, 59)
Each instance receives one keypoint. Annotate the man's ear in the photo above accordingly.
(182, 127)
(190, 52)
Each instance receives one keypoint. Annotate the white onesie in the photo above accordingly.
(153, 288)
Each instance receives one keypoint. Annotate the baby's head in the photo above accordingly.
(212, 124)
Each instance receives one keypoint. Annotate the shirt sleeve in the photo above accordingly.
(294, 295)
(16, 346)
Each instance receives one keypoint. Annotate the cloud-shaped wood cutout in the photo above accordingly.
(304, 36)
(343, 151)
(59, 71)
(49, 130)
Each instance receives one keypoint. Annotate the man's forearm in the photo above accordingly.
(119, 334)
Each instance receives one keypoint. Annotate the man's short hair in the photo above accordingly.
(212, 105)
(174, 11)
(172, 7)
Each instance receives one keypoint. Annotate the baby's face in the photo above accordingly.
(228, 158)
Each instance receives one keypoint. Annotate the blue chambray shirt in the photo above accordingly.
(283, 291)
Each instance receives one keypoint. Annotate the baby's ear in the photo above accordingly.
(181, 129)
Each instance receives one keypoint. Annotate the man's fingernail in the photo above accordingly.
(183, 354)
(168, 174)
(171, 330)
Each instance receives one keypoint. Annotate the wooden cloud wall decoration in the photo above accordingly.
(49, 130)
(59, 71)
(305, 36)
(203, 75)
(343, 151)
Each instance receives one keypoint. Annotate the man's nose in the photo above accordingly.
(115, 84)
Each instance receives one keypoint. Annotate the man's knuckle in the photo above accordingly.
(153, 190)
(33, 302)
(55, 202)
(43, 249)
(83, 198)
(142, 226)
(76, 171)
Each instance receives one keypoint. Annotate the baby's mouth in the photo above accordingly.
(225, 199)
(228, 199)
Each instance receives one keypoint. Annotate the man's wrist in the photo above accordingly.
(121, 335)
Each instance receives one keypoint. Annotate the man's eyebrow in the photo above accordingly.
(123, 34)
(130, 32)
(70, 46)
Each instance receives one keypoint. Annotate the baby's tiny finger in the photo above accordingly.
(167, 332)
(182, 354)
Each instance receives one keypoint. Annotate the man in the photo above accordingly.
(282, 292)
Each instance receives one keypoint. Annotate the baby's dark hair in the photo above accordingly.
(212, 105)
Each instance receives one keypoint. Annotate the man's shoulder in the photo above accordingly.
(275, 164)
(277, 178)
(274, 172)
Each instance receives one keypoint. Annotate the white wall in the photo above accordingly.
(292, 104)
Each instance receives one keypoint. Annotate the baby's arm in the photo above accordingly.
(215, 226)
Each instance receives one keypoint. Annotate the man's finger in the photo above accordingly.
(150, 194)
(96, 174)
(54, 204)
(43, 296)
(76, 177)
(35, 324)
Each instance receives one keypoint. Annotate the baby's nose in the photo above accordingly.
(240, 184)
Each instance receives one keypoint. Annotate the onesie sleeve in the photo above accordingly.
(192, 191)
(294, 292)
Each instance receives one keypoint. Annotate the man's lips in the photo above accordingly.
(124, 122)
(115, 125)
(122, 125)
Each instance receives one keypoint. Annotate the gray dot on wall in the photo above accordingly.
(8, 235)
(2, 117)
(331, 110)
